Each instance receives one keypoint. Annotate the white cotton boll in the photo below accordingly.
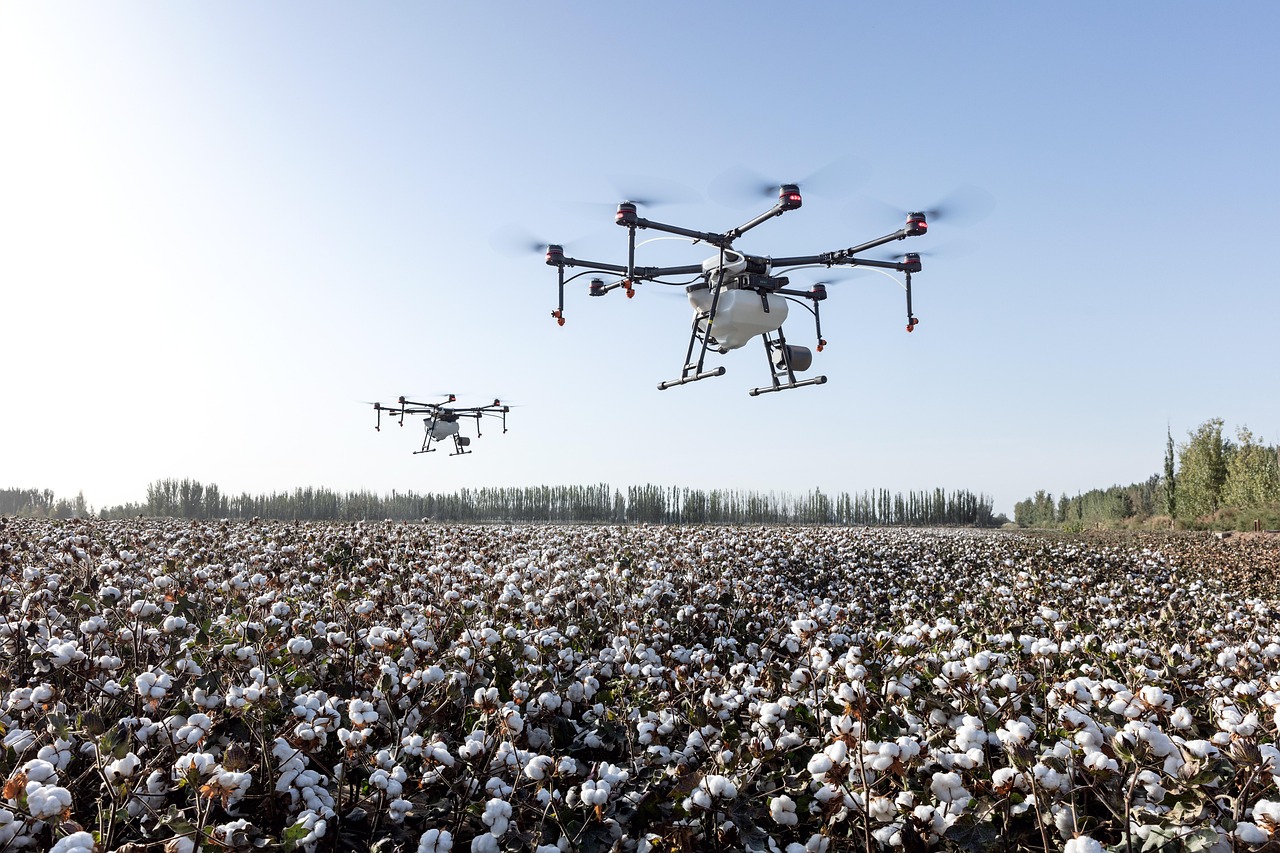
(1015, 733)
(76, 842)
(884, 757)
(180, 844)
(886, 836)
(57, 754)
(362, 713)
(720, 787)
(497, 815)
(783, 810)
(39, 770)
(153, 685)
(398, 810)
(979, 662)
(471, 748)
(49, 801)
(197, 763)
(299, 646)
(819, 765)
(1006, 779)
(698, 798)
(64, 654)
(815, 844)
(1082, 844)
(1100, 762)
(497, 787)
(1155, 697)
(1049, 779)
(122, 768)
(949, 788)
(19, 739)
(1249, 833)
(970, 737)
(1200, 749)
(512, 721)
(484, 843)
(771, 713)
(882, 809)
(1181, 719)
(539, 767)
(595, 793)
(1266, 813)
(789, 740)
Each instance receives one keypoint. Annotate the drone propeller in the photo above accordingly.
(964, 206)
(739, 186)
(951, 250)
(648, 191)
(515, 241)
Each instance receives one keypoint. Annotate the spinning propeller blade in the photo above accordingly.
(648, 191)
(739, 186)
(964, 206)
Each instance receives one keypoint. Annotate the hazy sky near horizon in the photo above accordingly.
(225, 229)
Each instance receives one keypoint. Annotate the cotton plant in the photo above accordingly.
(999, 670)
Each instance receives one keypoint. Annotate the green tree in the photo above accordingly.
(1253, 475)
(1170, 480)
(1202, 470)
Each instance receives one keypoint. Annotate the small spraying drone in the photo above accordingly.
(738, 296)
(441, 420)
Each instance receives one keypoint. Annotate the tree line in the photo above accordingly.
(1207, 480)
(40, 503)
(600, 503)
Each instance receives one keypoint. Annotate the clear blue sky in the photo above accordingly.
(224, 226)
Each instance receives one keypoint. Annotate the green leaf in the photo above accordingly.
(293, 835)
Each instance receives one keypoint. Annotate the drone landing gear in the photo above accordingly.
(693, 371)
(690, 374)
(784, 361)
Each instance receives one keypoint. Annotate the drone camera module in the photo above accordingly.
(794, 357)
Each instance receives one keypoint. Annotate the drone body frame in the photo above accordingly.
(738, 289)
(442, 420)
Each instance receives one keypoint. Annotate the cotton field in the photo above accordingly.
(238, 686)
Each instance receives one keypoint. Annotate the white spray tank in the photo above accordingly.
(740, 314)
(442, 429)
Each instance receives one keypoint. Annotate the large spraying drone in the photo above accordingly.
(441, 420)
(738, 296)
